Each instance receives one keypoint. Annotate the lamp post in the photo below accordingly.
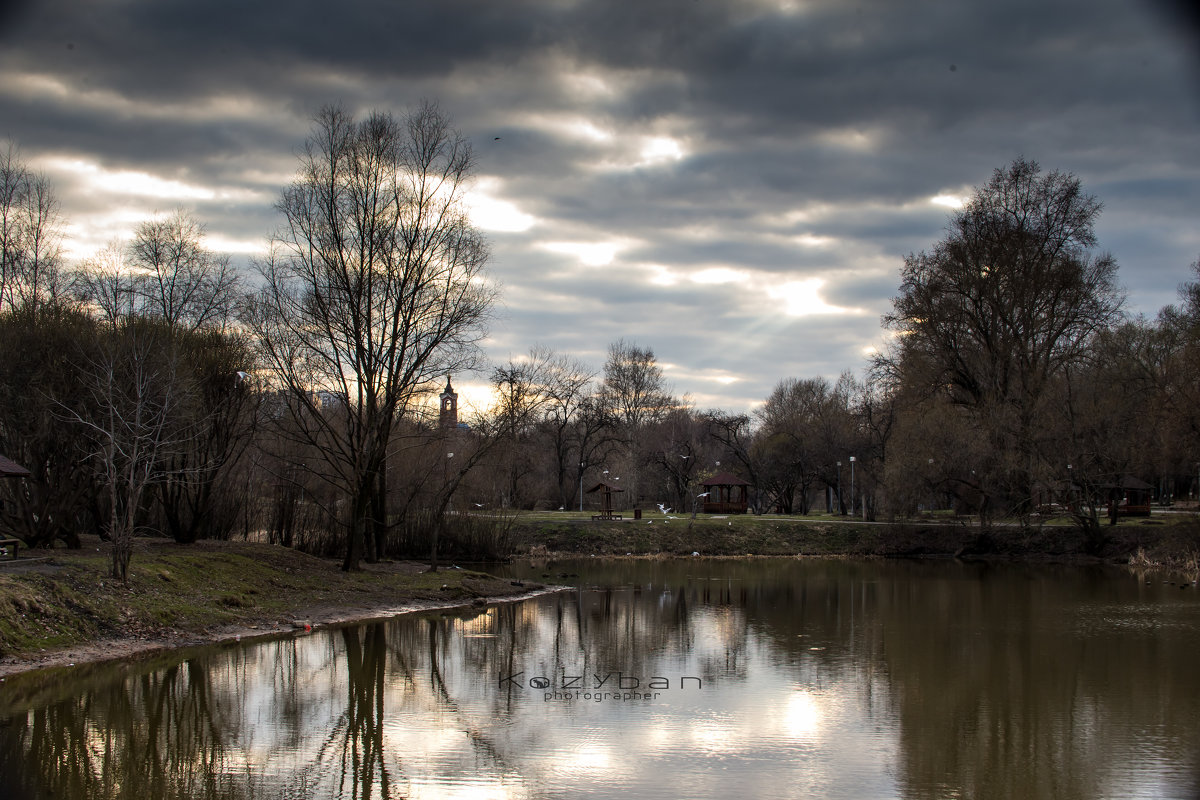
(853, 498)
(581, 468)
(841, 508)
(932, 488)
(1070, 489)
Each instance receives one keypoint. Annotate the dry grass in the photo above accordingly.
(69, 599)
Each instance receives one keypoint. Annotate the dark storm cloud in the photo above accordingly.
(783, 142)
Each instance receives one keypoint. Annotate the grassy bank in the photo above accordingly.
(182, 593)
(63, 601)
(1172, 543)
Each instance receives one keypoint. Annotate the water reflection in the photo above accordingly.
(661, 679)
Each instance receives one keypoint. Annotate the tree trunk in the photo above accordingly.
(356, 535)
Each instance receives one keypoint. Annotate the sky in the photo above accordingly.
(732, 183)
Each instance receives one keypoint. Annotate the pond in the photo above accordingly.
(691, 678)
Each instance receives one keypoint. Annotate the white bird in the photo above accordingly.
(240, 376)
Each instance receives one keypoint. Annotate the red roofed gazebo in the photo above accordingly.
(727, 494)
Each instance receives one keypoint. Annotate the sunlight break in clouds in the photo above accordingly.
(94, 178)
(802, 298)
(660, 150)
(493, 213)
(593, 254)
(717, 275)
(948, 201)
(568, 126)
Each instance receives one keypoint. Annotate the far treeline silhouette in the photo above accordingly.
(153, 389)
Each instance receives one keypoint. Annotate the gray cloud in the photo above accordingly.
(781, 141)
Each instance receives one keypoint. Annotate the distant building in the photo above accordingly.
(449, 408)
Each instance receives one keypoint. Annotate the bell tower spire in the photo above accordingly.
(449, 407)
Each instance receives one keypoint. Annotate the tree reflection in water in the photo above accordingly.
(827, 678)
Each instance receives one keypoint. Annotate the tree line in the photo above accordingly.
(156, 388)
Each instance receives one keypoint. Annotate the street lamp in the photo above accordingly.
(841, 508)
(853, 499)
(932, 488)
(581, 468)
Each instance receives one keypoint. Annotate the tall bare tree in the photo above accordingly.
(374, 292)
(567, 398)
(30, 235)
(635, 391)
(106, 284)
(1010, 297)
(134, 389)
(177, 278)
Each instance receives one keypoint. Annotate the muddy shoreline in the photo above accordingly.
(138, 647)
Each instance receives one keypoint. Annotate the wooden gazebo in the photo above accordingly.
(606, 506)
(10, 469)
(727, 494)
(1128, 496)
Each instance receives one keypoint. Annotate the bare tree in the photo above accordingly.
(177, 278)
(374, 292)
(522, 388)
(736, 435)
(213, 422)
(1009, 298)
(567, 398)
(633, 384)
(30, 235)
(133, 390)
(107, 285)
(635, 392)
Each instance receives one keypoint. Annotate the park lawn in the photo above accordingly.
(1167, 538)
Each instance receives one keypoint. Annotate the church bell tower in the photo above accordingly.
(449, 411)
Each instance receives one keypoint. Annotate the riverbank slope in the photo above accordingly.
(1169, 541)
(60, 607)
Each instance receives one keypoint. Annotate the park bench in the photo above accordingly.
(5, 544)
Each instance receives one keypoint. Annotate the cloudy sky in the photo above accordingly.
(733, 183)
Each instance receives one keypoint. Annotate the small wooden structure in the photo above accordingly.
(1130, 495)
(727, 494)
(606, 506)
(11, 469)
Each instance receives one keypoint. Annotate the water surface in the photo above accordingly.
(661, 679)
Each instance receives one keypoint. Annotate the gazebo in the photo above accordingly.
(727, 494)
(1129, 496)
(10, 469)
(606, 507)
